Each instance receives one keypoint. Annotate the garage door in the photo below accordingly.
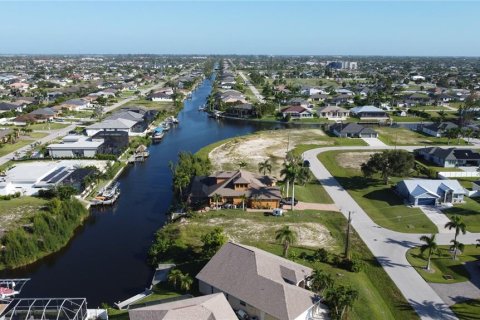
(426, 202)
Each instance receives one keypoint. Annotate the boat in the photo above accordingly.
(202, 108)
(171, 120)
(165, 126)
(158, 134)
(107, 196)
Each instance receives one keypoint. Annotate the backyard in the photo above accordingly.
(380, 202)
(378, 296)
(14, 211)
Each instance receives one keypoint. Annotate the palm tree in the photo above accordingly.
(468, 133)
(180, 182)
(186, 282)
(456, 223)
(216, 197)
(265, 166)
(175, 277)
(244, 198)
(285, 236)
(320, 281)
(456, 246)
(286, 172)
(242, 164)
(429, 245)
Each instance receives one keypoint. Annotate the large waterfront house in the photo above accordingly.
(333, 113)
(352, 130)
(209, 307)
(134, 123)
(236, 187)
(75, 146)
(297, 112)
(264, 285)
(369, 113)
(451, 157)
(430, 192)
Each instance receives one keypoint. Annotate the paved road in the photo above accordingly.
(389, 247)
(53, 135)
(252, 87)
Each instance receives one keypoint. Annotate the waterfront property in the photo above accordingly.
(297, 112)
(236, 187)
(209, 307)
(369, 113)
(75, 146)
(352, 130)
(431, 192)
(333, 113)
(449, 158)
(31, 177)
(260, 283)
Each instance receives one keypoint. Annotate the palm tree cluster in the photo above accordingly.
(293, 172)
(179, 279)
(456, 223)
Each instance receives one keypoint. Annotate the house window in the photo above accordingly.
(242, 303)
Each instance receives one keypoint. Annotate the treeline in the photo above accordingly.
(46, 232)
(187, 167)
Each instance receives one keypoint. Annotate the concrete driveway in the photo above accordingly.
(389, 247)
(437, 217)
(374, 142)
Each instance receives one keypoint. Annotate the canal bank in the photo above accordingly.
(106, 261)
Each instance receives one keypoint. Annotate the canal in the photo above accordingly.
(106, 259)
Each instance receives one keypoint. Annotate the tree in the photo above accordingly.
(244, 198)
(451, 134)
(265, 166)
(340, 299)
(242, 164)
(456, 223)
(216, 197)
(320, 281)
(180, 182)
(286, 237)
(212, 242)
(186, 282)
(175, 277)
(456, 246)
(429, 245)
(293, 170)
(388, 163)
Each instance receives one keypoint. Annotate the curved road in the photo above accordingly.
(389, 247)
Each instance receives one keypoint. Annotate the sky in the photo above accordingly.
(419, 28)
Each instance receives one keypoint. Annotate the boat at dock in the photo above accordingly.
(171, 120)
(158, 134)
(107, 196)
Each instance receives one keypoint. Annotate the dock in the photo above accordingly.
(121, 305)
(161, 273)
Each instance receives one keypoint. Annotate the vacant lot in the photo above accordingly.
(378, 200)
(255, 148)
(14, 211)
(48, 126)
(23, 141)
(156, 105)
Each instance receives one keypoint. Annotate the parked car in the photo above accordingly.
(306, 164)
(288, 201)
(277, 212)
(242, 315)
(229, 206)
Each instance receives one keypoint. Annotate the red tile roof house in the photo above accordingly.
(262, 284)
(297, 112)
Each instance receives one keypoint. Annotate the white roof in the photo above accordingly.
(417, 187)
(365, 109)
(113, 124)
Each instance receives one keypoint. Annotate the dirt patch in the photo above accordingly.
(309, 234)
(256, 148)
(15, 215)
(352, 160)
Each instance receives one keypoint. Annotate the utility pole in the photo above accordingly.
(347, 240)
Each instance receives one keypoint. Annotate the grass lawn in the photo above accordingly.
(378, 200)
(378, 296)
(157, 105)
(15, 211)
(48, 126)
(22, 142)
(406, 119)
(160, 292)
(467, 310)
(443, 264)
(406, 137)
(469, 212)
(312, 192)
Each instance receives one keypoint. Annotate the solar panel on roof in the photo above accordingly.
(53, 174)
(60, 176)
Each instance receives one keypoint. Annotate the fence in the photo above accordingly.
(458, 174)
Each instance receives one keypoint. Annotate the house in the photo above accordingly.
(141, 119)
(259, 191)
(438, 129)
(160, 96)
(75, 146)
(352, 130)
(297, 112)
(114, 142)
(39, 115)
(210, 307)
(264, 285)
(75, 105)
(231, 96)
(430, 192)
(369, 113)
(111, 125)
(299, 102)
(333, 113)
(449, 158)
(241, 110)
(7, 106)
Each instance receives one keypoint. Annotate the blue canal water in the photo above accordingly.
(106, 261)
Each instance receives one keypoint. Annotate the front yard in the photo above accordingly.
(406, 137)
(445, 269)
(469, 211)
(379, 201)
